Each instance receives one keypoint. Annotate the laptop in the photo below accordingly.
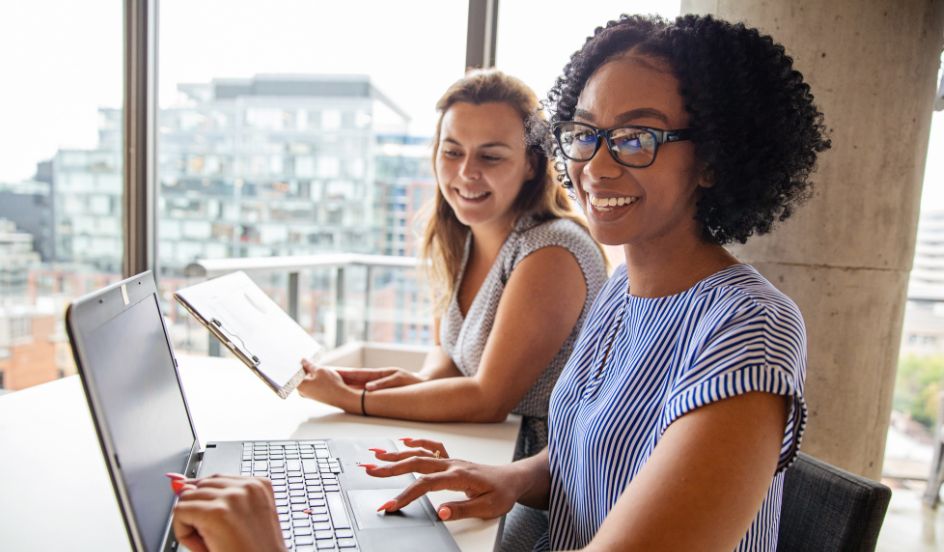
(129, 372)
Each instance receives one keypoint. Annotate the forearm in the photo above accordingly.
(454, 399)
(535, 476)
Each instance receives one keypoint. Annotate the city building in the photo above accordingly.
(923, 329)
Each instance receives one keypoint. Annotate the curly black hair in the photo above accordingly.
(755, 127)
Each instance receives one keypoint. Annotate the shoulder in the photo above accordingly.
(568, 237)
(739, 310)
(560, 231)
(740, 291)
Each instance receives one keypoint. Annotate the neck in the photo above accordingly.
(487, 239)
(658, 270)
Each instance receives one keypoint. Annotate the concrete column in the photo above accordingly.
(845, 256)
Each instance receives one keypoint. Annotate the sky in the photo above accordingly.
(60, 60)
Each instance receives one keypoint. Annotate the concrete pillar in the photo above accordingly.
(845, 256)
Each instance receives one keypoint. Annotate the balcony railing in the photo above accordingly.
(347, 310)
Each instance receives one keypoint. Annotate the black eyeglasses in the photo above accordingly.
(631, 146)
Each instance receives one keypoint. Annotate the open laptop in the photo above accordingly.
(129, 372)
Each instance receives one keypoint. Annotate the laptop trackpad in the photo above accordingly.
(365, 504)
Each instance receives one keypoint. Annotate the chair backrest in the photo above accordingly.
(829, 509)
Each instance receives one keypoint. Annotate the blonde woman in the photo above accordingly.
(514, 271)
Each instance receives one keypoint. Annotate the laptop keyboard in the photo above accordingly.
(307, 495)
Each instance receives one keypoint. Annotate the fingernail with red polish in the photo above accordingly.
(177, 485)
(387, 505)
(444, 513)
(368, 466)
(378, 451)
(405, 439)
(175, 476)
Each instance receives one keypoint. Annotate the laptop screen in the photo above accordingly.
(131, 366)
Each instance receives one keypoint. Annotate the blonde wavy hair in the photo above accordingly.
(443, 241)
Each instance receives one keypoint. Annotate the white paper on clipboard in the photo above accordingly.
(254, 327)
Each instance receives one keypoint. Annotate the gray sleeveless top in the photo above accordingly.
(463, 339)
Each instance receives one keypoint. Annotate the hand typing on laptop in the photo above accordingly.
(491, 490)
(227, 514)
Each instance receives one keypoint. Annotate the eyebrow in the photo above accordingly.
(486, 145)
(641, 113)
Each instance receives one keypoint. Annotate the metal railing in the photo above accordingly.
(339, 263)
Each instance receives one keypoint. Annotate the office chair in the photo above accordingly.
(829, 509)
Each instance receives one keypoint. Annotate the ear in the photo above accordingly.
(706, 176)
(530, 157)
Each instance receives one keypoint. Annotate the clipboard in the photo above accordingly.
(251, 325)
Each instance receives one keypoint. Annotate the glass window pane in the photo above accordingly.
(60, 175)
(299, 128)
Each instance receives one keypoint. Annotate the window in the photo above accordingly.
(60, 175)
(298, 120)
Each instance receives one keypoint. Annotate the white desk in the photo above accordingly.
(54, 488)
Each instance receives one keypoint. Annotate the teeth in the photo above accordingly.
(607, 202)
(469, 195)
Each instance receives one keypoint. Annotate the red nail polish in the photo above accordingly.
(177, 485)
(378, 450)
(386, 505)
(444, 513)
(368, 466)
(175, 476)
(405, 439)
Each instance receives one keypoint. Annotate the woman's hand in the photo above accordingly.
(374, 379)
(327, 386)
(235, 514)
(491, 490)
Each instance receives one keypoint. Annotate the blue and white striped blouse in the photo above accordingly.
(641, 363)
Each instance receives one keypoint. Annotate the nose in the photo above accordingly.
(470, 169)
(602, 165)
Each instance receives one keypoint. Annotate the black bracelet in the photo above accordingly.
(363, 396)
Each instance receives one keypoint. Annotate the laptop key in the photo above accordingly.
(321, 535)
(344, 534)
(347, 543)
(324, 526)
(326, 545)
(304, 540)
(338, 513)
(302, 531)
(305, 548)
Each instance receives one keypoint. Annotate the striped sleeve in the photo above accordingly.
(746, 346)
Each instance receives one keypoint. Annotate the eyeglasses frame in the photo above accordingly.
(661, 137)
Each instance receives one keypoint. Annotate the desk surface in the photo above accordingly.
(55, 486)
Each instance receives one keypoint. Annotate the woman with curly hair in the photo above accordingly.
(682, 404)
